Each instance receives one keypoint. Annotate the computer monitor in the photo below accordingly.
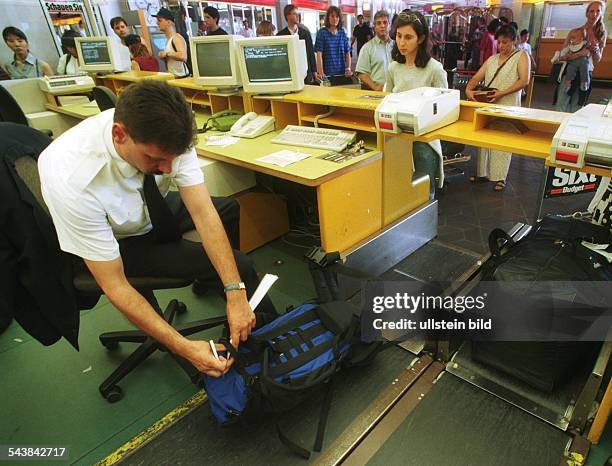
(272, 65)
(214, 61)
(95, 53)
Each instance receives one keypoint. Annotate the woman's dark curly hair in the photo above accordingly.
(419, 24)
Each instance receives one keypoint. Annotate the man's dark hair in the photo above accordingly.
(524, 31)
(117, 20)
(13, 31)
(359, 16)
(493, 26)
(506, 31)
(153, 112)
(68, 39)
(330, 10)
(212, 12)
(287, 10)
(419, 23)
(503, 20)
(514, 25)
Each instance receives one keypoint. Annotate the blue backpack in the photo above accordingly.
(285, 361)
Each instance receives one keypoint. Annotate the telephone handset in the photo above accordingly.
(252, 125)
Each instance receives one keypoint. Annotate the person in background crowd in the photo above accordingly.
(503, 21)
(24, 64)
(119, 27)
(508, 72)
(175, 52)
(514, 25)
(246, 29)
(211, 17)
(332, 47)
(488, 45)
(123, 60)
(414, 67)
(474, 43)
(596, 36)
(292, 17)
(69, 62)
(526, 47)
(375, 56)
(201, 28)
(142, 60)
(265, 29)
(362, 33)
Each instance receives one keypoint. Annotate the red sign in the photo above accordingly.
(253, 2)
(311, 4)
(348, 6)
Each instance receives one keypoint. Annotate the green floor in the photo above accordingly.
(49, 396)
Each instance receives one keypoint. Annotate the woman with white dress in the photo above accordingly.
(508, 72)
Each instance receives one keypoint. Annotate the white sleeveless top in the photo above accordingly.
(176, 67)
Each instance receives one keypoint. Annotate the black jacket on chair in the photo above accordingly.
(35, 276)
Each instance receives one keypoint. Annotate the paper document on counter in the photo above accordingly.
(284, 157)
(264, 286)
(221, 140)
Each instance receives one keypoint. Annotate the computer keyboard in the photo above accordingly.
(318, 138)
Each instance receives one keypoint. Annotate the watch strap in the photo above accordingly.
(234, 287)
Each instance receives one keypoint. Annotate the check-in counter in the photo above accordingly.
(548, 46)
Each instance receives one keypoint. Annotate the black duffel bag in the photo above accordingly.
(552, 251)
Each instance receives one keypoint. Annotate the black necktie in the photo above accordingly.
(165, 226)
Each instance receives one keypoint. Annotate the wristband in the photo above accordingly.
(234, 287)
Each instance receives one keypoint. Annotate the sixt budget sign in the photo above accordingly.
(566, 182)
(64, 7)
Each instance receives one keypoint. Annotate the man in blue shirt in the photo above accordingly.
(332, 47)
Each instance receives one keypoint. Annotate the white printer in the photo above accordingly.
(585, 137)
(418, 111)
(64, 84)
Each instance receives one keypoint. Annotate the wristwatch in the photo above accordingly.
(234, 287)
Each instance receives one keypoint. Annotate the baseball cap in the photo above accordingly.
(164, 13)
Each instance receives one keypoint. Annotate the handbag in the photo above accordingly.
(483, 93)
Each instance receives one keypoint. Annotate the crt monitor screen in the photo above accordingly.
(213, 59)
(95, 53)
(267, 63)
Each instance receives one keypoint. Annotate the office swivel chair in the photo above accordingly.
(84, 283)
(11, 112)
(105, 98)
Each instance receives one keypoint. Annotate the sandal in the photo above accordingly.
(500, 185)
(478, 179)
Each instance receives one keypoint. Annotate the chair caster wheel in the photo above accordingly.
(181, 308)
(113, 394)
(110, 345)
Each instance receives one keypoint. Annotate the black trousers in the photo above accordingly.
(143, 256)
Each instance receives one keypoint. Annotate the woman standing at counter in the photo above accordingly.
(507, 72)
(596, 35)
(414, 67)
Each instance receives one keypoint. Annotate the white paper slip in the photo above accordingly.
(284, 157)
(221, 140)
(263, 288)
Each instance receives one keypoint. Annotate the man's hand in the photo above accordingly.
(200, 355)
(240, 317)
(348, 73)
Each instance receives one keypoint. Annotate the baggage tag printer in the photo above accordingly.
(66, 83)
(417, 111)
(581, 140)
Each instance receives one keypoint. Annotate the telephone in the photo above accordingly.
(252, 125)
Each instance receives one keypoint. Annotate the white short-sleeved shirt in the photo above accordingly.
(94, 196)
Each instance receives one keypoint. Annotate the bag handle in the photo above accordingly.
(499, 68)
(498, 239)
